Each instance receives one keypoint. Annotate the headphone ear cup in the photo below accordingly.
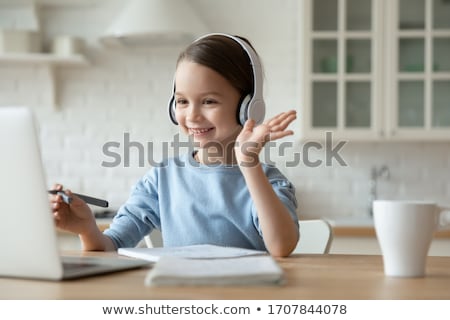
(171, 107)
(250, 108)
(243, 109)
(256, 110)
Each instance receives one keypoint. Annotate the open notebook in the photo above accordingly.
(28, 241)
(199, 251)
(208, 264)
(236, 271)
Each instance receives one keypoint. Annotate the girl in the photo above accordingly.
(217, 194)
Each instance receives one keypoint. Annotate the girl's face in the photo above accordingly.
(206, 104)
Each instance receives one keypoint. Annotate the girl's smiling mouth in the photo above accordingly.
(199, 131)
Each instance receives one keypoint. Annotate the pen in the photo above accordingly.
(87, 199)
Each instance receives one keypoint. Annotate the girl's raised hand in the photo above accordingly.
(252, 139)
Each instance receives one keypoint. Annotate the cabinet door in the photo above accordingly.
(420, 105)
(342, 68)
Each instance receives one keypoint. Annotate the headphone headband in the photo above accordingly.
(252, 106)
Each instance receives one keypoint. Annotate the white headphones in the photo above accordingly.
(252, 106)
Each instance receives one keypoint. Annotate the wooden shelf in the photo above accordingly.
(43, 58)
(49, 62)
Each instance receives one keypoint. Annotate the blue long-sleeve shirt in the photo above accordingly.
(196, 204)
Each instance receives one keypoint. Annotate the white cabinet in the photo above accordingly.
(376, 69)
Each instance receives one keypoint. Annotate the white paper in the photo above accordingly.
(204, 251)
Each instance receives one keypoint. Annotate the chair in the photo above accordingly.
(316, 237)
(153, 240)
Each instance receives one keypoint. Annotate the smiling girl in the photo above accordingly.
(221, 195)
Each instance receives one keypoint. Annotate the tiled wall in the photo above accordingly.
(125, 91)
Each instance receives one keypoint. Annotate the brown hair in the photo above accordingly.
(226, 57)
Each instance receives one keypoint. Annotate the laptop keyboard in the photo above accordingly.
(77, 265)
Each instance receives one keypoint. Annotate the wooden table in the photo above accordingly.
(307, 277)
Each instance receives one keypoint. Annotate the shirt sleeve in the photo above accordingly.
(139, 215)
(285, 191)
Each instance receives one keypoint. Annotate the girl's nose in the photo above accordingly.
(193, 112)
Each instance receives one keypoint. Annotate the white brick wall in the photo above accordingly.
(125, 90)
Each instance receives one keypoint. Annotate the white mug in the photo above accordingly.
(404, 231)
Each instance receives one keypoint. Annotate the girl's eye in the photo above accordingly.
(181, 101)
(209, 101)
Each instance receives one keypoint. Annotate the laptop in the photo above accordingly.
(28, 237)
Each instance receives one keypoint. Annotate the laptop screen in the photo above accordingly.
(28, 242)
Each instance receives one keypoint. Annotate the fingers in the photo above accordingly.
(280, 134)
(278, 124)
(57, 186)
(56, 201)
(282, 115)
(249, 125)
(54, 197)
(270, 130)
(281, 121)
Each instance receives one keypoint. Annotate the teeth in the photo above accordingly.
(199, 131)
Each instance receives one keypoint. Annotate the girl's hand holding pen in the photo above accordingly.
(76, 217)
(87, 199)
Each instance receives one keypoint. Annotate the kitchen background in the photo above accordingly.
(125, 88)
